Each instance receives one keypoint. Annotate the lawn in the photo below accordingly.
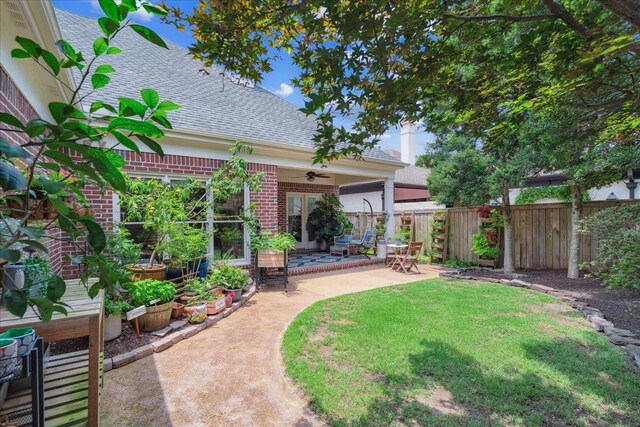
(441, 352)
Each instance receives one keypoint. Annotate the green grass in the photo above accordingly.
(441, 352)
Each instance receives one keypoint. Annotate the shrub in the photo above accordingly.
(482, 247)
(617, 233)
(229, 277)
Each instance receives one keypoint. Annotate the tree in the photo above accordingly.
(385, 61)
(57, 157)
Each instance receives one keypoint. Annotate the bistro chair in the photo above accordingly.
(407, 260)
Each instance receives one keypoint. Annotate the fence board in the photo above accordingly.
(541, 233)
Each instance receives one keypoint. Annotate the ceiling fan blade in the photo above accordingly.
(321, 175)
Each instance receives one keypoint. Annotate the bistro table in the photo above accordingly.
(397, 248)
(84, 319)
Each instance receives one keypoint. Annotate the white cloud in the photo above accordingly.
(285, 90)
(384, 136)
(140, 15)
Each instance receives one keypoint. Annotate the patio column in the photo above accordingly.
(389, 207)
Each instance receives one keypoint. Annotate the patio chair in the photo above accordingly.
(367, 241)
(407, 260)
(343, 240)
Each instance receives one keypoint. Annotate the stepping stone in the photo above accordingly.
(620, 332)
(162, 332)
(634, 352)
(598, 323)
(177, 324)
(618, 340)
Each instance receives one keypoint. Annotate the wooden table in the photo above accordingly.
(84, 319)
(396, 248)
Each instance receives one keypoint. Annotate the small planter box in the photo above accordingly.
(269, 258)
(176, 310)
(216, 306)
(487, 262)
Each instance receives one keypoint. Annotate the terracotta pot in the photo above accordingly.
(228, 300)
(143, 271)
(216, 306)
(176, 310)
(157, 317)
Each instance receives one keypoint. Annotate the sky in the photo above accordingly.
(278, 81)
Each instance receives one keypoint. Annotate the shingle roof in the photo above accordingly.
(209, 103)
(412, 175)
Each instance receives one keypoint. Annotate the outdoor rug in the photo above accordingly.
(319, 258)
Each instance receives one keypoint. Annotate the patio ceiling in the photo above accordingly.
(335, 177)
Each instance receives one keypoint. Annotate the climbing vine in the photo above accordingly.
(531, 195)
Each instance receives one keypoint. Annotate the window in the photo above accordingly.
(229, 236)
(229, 240)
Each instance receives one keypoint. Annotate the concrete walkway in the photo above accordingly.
(232, 373)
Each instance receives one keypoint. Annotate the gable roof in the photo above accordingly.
(209, 103)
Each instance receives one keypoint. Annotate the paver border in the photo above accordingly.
(173, 338)
(616, 336)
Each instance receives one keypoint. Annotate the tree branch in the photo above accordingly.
(560, 12)
(510, 18)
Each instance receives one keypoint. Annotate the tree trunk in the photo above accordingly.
(577, 195)
(509, 252)
(628, 10)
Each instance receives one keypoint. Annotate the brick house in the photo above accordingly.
(215, 113)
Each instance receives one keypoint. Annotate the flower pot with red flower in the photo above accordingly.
(232, 279)
(228, 299)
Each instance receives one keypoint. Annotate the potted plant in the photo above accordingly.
(232, 279)
(37, 274)
(161, 207)
(114, 307)
(157, 296)
(487, 252)
(272, 248)
(326, 220)
(186, 246)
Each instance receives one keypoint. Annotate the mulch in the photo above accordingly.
(124, 343)
(620, 306)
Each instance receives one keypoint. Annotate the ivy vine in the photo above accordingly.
(531, 195)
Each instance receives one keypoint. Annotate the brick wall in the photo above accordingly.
(296, 187)
(14, 102)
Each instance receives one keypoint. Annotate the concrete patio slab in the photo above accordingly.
(232, 373)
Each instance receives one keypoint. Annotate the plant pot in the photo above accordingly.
(228, 300)
(196, 313)
(237, 296)
(112, 326)
(13, 276)
(24, 338)
(173, 273)
(141, 272)
(9, 361)
(203, 267)
(216, 306)
(270, 258)
(157, 317)
(176, 310)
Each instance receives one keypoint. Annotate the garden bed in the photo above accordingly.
(621, 306)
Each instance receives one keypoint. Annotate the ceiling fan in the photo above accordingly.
(311, 176)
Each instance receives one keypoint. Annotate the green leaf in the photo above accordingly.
(60, 309)
(34, 244)
(61, 207)
(110, 8)
(168, 106)
(32, 48)
(99, 81)
(33, 232)
(56, 289)
(12, 150)
(123, 11)
(108, 26)
(67, 50)
(113, 50)
(11, 178)
(145, 128)
(100, 46)
(149, 35)
(45, 307)
(104, 69)
(16, 301)
(154, 146)
(155, 10)
(61, 111)
(131, 4)
(99, 104)
(11, 120)
(20, 54)
(126, 141)
(51, 61)
(94, 290)
(37, 127)
(50, 186)
(96, 237)
(136, 107)
(11, 255)
(161, 120)
(150, 97)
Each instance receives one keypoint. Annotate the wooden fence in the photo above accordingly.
(541, 233)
